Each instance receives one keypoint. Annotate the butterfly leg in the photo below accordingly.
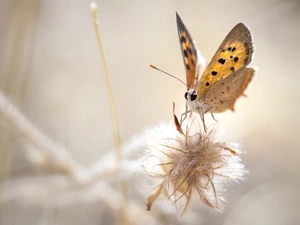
(184, 115)
(201, 113)
(212, 115)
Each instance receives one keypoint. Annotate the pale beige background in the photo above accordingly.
(51, 69)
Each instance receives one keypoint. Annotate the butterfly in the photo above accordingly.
(224, 79)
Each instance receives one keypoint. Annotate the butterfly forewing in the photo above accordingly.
(189, 52)
(223, 94)
(234, 53)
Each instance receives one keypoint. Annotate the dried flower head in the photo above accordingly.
(190, 164)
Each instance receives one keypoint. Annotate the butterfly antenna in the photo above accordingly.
(168, 74)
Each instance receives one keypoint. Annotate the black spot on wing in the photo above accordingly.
(185, 53)
(183, 39)
(222, 61)
(214, 73)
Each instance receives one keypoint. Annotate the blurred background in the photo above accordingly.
(51, 70)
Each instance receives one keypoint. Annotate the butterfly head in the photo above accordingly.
(196, 102)
(191, 95)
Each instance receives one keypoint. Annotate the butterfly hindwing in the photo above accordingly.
(234, 53)
(223, 94)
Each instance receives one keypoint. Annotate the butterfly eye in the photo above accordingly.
(186, 95)
(194, 96)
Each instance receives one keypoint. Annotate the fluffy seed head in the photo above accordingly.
(190, 164)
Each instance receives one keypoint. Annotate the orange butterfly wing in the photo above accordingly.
(192, 59)
(234, 53)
